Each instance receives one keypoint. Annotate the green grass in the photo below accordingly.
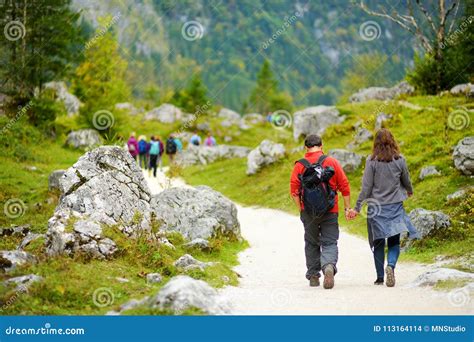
(425, 139)
(445, 285)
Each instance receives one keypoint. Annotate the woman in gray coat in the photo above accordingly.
(385, 185)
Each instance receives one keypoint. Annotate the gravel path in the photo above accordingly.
(272, 274)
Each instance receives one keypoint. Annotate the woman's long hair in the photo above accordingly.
(385, 147)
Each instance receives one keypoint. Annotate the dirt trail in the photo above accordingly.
(272, 274)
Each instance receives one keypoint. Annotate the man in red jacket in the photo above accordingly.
(321, 233)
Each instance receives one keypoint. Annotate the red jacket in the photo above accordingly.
(338, 182)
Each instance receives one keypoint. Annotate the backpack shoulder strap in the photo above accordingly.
(304, 162)
(322, 159)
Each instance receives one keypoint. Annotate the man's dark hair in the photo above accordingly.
(313, 140)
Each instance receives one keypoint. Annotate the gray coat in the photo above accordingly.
(385, 182)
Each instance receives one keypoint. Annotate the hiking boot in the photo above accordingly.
(390, 274)
(328, 277)
(379, 281)
(314, 281)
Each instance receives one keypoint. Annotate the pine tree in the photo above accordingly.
(99, 79)
(38, 45)
(193, 98)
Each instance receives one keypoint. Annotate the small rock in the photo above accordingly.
(381, 118)
(428, 171)
(53, 179)
(19, 231)
(266, 153)
(24, 282)
(187, 262)
(70, 101)
(382, 93)
(29, 239)
(83, 138)
(466, 89)
(428, 221)
(183, 292)
(225, 279)
(459, 194)
(122, 280)
(9, 260)
(198, 243)
(431, 278)
(362, 135)
(254, 118)
(153, 278)
(463, 156)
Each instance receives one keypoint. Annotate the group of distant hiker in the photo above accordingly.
(149, 154)
(385, 185)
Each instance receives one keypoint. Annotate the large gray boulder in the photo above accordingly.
(428, 221)
(315, 120)
(349, 161)
(104, 187)
(9, 260)
(53, 179)
(83, 138)
(266, 153)
(382, 93)
(432, 277)
(199, 212)
(208, 154)
(166, 113)
(465, 89)
(463, 156)
(229, 115)
(428, 171)
(183, 292)
(70, 101)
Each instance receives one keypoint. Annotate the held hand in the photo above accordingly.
(350, 214)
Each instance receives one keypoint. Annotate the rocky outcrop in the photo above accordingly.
(70, 101)
(361, 136)
(465, 89)
(166, 113)
(183, 292)
(428, 171)
(83, 138)
(198, 243)
(154, 278)
(432, 277)
(428, 221)
(22, 283)
(315, 120)
(230, 115)
(463, 156)
(53, 179)
(459, 194)
(381, 118)
(104, 187)
(9, 260)
(195, 212)
(128, 107)
(382, 93)
(349, 161)
(266, 153)
(208, 154)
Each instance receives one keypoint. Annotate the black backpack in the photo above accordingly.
(315, 193)
(171, 146)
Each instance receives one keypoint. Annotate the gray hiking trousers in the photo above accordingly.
(320, 237)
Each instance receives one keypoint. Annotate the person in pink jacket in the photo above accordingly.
(132, 145)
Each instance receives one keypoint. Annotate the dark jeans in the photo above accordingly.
(393, 243)
(153, 160)
(320, 237)
(143, 161)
